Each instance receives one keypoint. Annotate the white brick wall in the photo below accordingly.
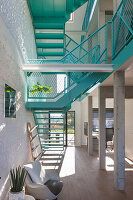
(16, 45)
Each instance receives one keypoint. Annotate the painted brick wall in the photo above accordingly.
(16, 45)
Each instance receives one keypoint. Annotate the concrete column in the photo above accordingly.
(119, 130)
(102, 124)
(90, 118)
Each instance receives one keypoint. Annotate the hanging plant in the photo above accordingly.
(40, 88)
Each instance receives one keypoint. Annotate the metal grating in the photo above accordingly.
(122, 27)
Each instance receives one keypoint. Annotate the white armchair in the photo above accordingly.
(42, 184)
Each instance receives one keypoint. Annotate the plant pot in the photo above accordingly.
(16, 195)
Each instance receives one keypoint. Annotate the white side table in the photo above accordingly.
(28, 197)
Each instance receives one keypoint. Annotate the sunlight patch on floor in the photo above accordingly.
(109, 164)
(2, 126)
(129, 161)
(68, 165)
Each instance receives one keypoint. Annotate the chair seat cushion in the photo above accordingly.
(36, 172)
(54, 186)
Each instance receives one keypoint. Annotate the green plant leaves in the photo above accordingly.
(18, 177)
(40, 88)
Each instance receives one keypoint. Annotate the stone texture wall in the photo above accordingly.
(16, 45)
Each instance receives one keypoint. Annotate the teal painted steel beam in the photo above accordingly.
(50, 53)
(49, 35)
(50, 45)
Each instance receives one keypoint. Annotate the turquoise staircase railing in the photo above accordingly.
(122, 27)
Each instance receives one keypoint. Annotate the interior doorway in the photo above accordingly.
(70, 128)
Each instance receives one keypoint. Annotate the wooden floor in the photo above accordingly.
(84, 181)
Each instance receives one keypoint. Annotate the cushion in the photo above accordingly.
(36, 172)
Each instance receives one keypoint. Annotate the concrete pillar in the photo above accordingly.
(119, 130)
(90, 120)
(102, 124)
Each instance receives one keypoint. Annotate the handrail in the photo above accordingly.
(74, 41)
(86, 39)
(123, 28)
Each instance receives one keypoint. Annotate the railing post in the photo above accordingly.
(69, 59)
(27, 87)
(64, 85)
(106, 39)
(112, 34)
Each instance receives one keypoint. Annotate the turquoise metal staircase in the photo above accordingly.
(49, 18)
(69, 86)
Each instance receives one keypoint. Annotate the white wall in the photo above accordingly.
(104, 5)
(84, 118)
(16, 45)
(116, 3)
(76, 25)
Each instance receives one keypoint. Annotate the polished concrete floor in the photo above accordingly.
(82, 178)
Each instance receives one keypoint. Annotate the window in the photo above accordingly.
(71, 20)
(10, 102)
(109, 119)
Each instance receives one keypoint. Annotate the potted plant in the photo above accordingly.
(17, 180)
(39, 88)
